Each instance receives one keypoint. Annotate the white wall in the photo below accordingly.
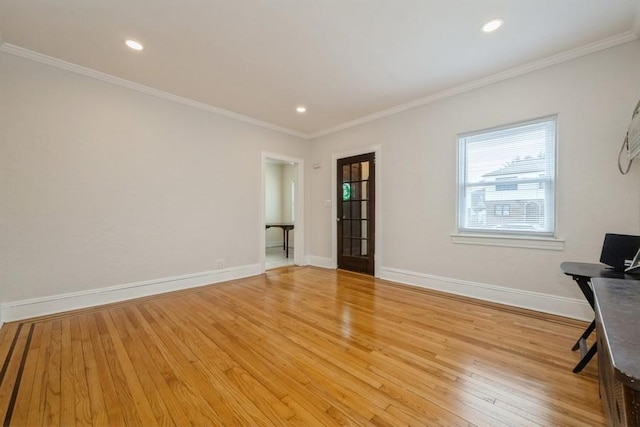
(3, 224)
(278, 201)
(102, 185)
(593, 97)
(288, 175)
(273, 202)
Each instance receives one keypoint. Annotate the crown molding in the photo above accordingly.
(88, 72)
(495, 78)
(569, 55)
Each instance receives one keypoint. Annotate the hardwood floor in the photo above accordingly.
(297, 346)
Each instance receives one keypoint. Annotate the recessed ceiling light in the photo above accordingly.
(492, 25)
(301, 109)
(134, 45)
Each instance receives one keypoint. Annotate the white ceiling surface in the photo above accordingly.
(344, 59)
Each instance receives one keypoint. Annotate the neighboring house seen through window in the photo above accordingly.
(506, 181)
(502, 210)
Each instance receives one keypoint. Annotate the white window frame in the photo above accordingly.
(516, 238)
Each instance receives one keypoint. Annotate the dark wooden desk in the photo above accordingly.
(582, 273)
(617, 319)
(286, 227)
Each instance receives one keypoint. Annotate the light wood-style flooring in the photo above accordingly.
(297, 346)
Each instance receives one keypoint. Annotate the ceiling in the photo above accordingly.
(345, 60)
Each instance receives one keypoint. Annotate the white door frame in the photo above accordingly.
(377, 149)
(298, 249)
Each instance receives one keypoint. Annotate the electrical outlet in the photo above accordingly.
(220, 263)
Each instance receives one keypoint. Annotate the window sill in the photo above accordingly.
(528, 242)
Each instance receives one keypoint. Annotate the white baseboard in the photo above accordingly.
(561, 306)
(25, 309)
(318, 261)
(275, 244)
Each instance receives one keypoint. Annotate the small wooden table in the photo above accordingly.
(582, 273)
(286, 227)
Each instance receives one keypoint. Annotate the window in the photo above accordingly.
(502, 210)
(506, 181)
(506, 187)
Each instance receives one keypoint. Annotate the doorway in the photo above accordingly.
(281, 230)
(355, 196)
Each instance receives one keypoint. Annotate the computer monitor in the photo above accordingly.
(618, 250)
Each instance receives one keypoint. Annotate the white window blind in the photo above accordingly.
(507, 179)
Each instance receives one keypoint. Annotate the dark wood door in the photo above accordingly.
(356, 213)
